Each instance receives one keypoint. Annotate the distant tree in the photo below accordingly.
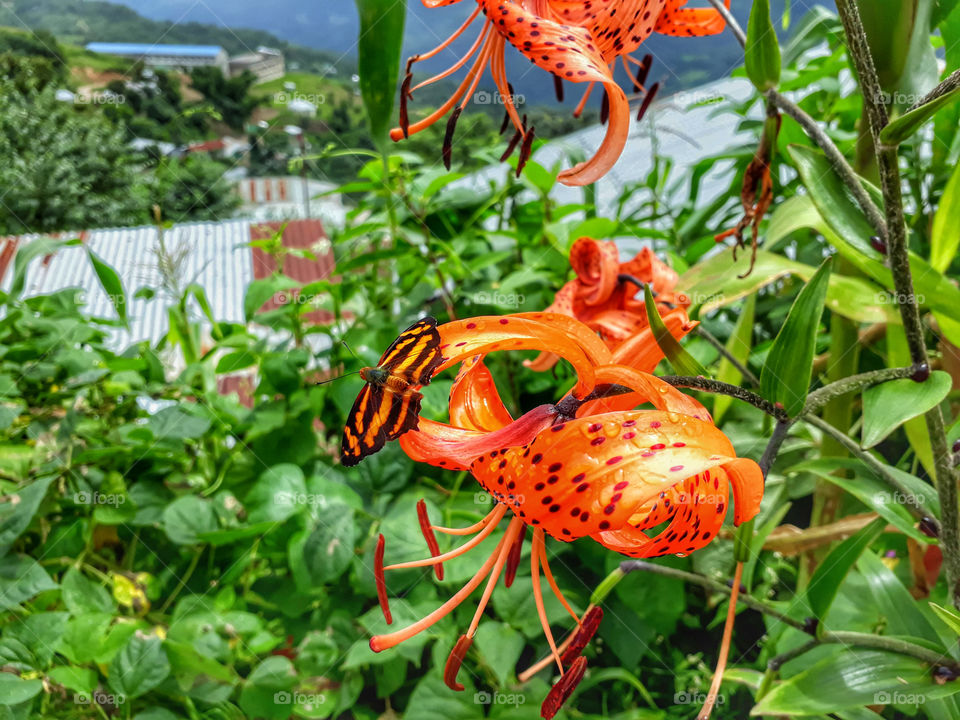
(192, 188)
(63, 168)
(229, 96)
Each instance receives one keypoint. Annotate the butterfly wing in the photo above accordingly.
(378, 416)
(415, 354)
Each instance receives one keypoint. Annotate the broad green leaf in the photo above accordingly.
(17, 513)
(898, 355)
(500, 645)
(826, 580)
(738, 345)
(187, 517)
(328, 550)
(15, 690)
(21, 261)
(716, 282)
(379, 46)
(903, 127)
(139, 667)
(762, 50)
(263, 290)
(897, 606)
(888, 405)
(186, 661)
(21, 578)
(871, 491)
(279, 493)
(231, 362)
(269, 682)
(786, 374)
(82, 595)
(111, 283)
(682, 361)
(81, 680)
(853, 678)
(432, 700)
(945, 236)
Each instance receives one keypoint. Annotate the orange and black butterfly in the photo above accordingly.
(389, 404)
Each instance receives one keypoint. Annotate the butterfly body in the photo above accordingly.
(389, 404)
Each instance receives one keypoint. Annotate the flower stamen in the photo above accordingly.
(428, 535)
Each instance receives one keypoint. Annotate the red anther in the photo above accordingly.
(558, 87)
(381, 580)
(428, 535)
(643, 71)
(605, 108)
(513, 559)
(585, 633)
(525, 150)
(404, 96)
(454, 661)
(645, 105)
(564, 688)
(512, 145)
(448, 137)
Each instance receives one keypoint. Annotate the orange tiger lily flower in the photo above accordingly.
(604, 296)
(578, 42)
(589, 466)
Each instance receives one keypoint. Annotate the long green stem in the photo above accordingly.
(899, 260)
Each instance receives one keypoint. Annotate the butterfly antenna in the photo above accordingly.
(338, 377)
(351, 350)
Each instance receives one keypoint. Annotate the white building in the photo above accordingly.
(266, 63)
(174, 57)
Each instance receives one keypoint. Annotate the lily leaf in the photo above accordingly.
(888, 405)
(682, 361)
(762, 51)
(906, 125)
(944, 238)
(786, 374)
(379, 45)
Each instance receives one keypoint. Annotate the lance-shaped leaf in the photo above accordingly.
(907, 124)
(786, 374)
(682, 361)
(945, 238)
(111, 283)
(762, 49)
(379, 46)
(888, 405)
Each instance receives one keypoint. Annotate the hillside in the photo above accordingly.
(81, 21)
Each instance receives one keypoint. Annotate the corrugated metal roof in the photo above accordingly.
(143, 49)
(217, 256)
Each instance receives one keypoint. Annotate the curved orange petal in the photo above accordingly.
(597, 266)
(689, 22)
(618, 129)
(563, 300)
(550, 332)
(594, 474)
(647, 389)
(475, 403)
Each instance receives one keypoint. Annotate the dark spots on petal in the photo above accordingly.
(536, 458)
(598, 441)
(555, 467)
(614, 460)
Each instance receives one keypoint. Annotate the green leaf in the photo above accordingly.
(186, 661)
(26, 253)
(432, 700)
(266, 691)
(328, 550)
(786, 373)
(738, 345)
(15, 690)
(231, 362)
(897, 606)
(82, 595)
(278, 494)
(682, 361)
(21, 578)
(139, 667)
(826, 580)
(18, 511)
(851, 679)
(111, 284)
(762, 50)
(81, 680)
(944, 238)
(888, 405)
(949, 616)
(903, 127)
(500, 645)
(187, 517)
(379, 46)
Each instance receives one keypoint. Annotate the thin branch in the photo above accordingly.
(731, 22)
(773, 447)
(913, 504)
(945, 87)
(898, 254)
(721, 388)
(818, 398)
(722, 349)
